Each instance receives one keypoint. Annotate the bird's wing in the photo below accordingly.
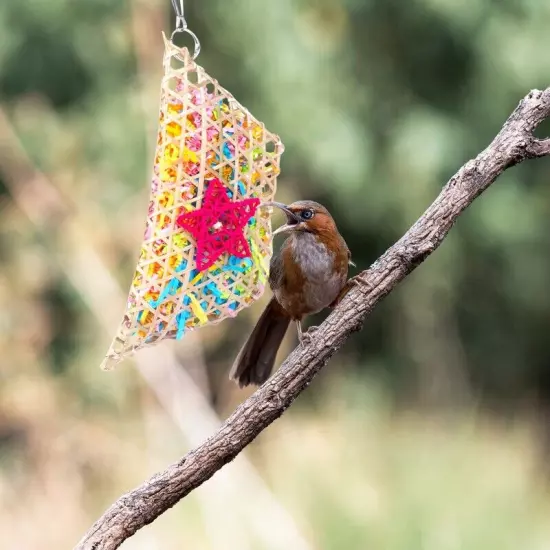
(276, 271)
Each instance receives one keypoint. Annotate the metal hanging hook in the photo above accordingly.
(180, 14)
(181, 26)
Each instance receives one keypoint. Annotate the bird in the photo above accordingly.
(307, 275)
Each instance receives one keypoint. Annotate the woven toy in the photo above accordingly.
(208, 241)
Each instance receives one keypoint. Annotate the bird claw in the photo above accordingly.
(360, 279)
(306, 336)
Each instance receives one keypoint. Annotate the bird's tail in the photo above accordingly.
(255, 361)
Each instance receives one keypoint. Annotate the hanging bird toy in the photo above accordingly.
(208, 240)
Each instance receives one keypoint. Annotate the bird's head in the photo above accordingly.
(308, 216)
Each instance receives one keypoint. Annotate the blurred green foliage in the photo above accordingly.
(378, 102)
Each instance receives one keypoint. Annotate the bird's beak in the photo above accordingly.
(291, 219)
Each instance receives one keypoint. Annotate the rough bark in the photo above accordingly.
(141, 506)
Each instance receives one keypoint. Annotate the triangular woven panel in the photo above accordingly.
(204, 135)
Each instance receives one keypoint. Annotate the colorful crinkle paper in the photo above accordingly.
(208, 242)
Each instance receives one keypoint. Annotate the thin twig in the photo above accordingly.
(141, 506)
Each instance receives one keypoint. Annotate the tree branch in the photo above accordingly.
(141, 506)
(539, 148)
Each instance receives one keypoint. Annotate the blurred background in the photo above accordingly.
(430, 429)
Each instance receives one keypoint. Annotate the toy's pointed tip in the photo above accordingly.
(111, 360)
(108, 364)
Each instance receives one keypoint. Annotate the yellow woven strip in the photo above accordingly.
(197, 278)
(259, 261)
(197, 309)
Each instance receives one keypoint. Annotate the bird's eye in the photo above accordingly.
(307, 214)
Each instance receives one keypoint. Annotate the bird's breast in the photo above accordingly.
(313, 257)
(313, 275)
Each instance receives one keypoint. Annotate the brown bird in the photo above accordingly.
(306, 276)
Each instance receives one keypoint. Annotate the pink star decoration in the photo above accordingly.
(218, 225)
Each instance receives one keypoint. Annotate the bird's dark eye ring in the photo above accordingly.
(307, 214)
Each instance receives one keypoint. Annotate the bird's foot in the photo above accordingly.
(306, 336)
(360, 279)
